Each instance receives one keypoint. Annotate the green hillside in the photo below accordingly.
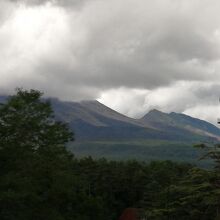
(144, 150)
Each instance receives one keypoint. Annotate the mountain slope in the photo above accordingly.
(3, 98)
(176, 122)
(92, 112)
(93, 121)
(193, 123)
(103, 132)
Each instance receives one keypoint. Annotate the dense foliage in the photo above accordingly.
(40, 179)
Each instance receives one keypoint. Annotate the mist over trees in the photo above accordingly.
(40, 179)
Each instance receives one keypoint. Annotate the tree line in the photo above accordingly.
(41, 180)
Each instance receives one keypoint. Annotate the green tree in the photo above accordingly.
(27, 121)
(37, 181)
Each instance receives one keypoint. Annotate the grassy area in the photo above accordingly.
(145, 150)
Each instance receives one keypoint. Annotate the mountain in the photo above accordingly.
(180, 123)
(102, 132)
(3, 98)
(92, 120)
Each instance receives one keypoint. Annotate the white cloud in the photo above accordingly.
(146, 54)
(205, 112)
(193, 98)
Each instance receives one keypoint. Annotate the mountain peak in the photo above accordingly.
(86, 115)
(155, 114)
(90, 101)
(155, 111)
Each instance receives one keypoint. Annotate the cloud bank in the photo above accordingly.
(132, 55)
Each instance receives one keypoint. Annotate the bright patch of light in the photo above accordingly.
(31, 33)
(33, 23)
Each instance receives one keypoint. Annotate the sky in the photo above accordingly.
(131, 55)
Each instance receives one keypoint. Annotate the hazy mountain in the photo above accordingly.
(103, 132)
(92, 112)
(2, 99)
(92, 120)
(176, 122)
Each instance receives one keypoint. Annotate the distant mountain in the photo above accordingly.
(93, 121)
(102, 132)
(3, 98)
(92, 112)
(180, 123)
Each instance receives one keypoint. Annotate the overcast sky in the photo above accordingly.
(132, 55)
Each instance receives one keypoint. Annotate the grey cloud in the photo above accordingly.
(193, 98)
(106, 45)
(6, 10)
(116, 53)
(62, 3)
(185, 42)
(208, 94)
(30, 2)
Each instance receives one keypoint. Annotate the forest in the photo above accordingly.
(41, 180)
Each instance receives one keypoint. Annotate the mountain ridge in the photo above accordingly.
(93, 115)
(159, 119)
(92, 120)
